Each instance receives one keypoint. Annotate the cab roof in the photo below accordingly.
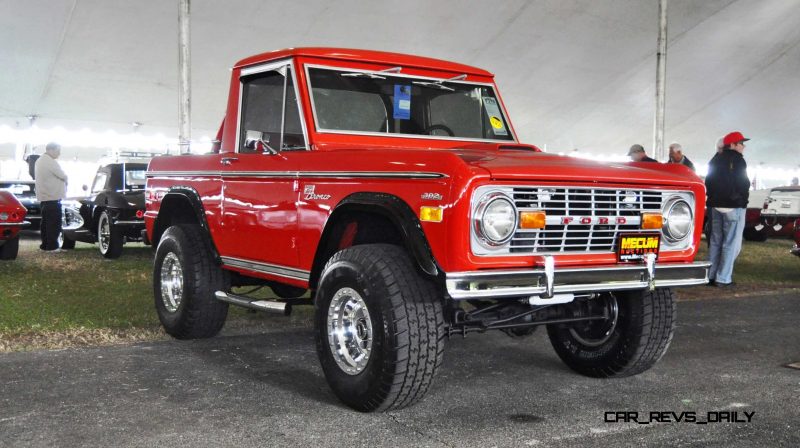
(377, 57)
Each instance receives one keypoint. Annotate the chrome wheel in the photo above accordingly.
(104, 233)
(597, 333)
(171, 282)
(349, 331)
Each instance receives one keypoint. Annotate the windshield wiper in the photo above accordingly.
(440, 83)
(371, 75)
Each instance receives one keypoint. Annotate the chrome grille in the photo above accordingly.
(581, 204)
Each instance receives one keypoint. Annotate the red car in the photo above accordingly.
(394, 189)
(12, 218)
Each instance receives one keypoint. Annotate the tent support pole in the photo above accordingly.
(184, 68)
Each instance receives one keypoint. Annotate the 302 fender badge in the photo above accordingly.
(432, 196)
(309, 195)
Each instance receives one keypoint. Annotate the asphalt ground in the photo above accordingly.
(267, 389)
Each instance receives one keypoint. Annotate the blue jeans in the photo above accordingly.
(726, 243)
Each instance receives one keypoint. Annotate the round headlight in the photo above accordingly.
(71, 219)
(497, 218)
(677, 221)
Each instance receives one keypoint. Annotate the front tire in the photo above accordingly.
(10, 249)
(635, 336)
(185, 278)
(379, 328)
(109, 239)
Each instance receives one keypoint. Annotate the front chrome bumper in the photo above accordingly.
(15, 224)
(550, 280)
(130, 222)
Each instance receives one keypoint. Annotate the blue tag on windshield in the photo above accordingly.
(402, 102)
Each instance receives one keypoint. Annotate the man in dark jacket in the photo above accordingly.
(676, 156)
(637, 154)
(728, 189)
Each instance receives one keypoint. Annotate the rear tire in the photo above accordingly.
(10, 249)
(109, 238)
(185, 278)
(633, 340)
(379, 328)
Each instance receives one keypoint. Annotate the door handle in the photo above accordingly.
(228, 160)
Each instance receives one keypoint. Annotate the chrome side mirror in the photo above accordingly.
(258, 141)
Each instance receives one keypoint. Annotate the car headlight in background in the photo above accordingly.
(495, 218)
(678, 220)
(71, 218)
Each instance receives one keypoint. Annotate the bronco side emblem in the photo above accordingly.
(309, 194)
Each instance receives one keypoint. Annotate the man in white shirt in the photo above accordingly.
(51, 188)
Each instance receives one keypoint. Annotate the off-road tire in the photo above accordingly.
(408, 332)
(643, 332)
(115, 238)
(199, 314)
(9, 250)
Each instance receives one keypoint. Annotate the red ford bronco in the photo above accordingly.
(393, 188)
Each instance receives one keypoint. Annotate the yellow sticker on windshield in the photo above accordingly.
(496, 122)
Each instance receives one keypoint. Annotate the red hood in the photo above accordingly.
(522, 164)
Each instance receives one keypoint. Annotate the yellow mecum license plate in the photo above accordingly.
(633, 247)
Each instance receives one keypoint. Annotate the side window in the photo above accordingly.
(99, 182)
(263, 109)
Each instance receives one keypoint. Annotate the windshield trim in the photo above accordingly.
(321, 130)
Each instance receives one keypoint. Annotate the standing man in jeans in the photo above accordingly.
(51, 188)
(728, 189)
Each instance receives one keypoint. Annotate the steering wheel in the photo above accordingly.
(438, 127)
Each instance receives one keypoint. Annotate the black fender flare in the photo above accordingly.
(399, 213)
(190, 196)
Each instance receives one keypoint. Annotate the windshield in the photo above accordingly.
(386, 103)
(19, 189)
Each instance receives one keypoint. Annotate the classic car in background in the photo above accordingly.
(771, 213)
(754, 229)
(113, 212)
(25, 192)
(12, 218)
(781, 210)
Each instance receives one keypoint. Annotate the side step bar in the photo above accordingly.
(269, 306)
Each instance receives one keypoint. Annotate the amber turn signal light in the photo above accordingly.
(532, 220)
(431, 214)
(652, 221)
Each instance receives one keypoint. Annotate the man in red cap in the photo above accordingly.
(728, 189)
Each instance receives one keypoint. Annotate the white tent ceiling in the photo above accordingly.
(573, 73)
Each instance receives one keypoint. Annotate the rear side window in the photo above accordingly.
(99, 182)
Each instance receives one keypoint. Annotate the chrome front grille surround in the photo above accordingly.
(579, 219)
